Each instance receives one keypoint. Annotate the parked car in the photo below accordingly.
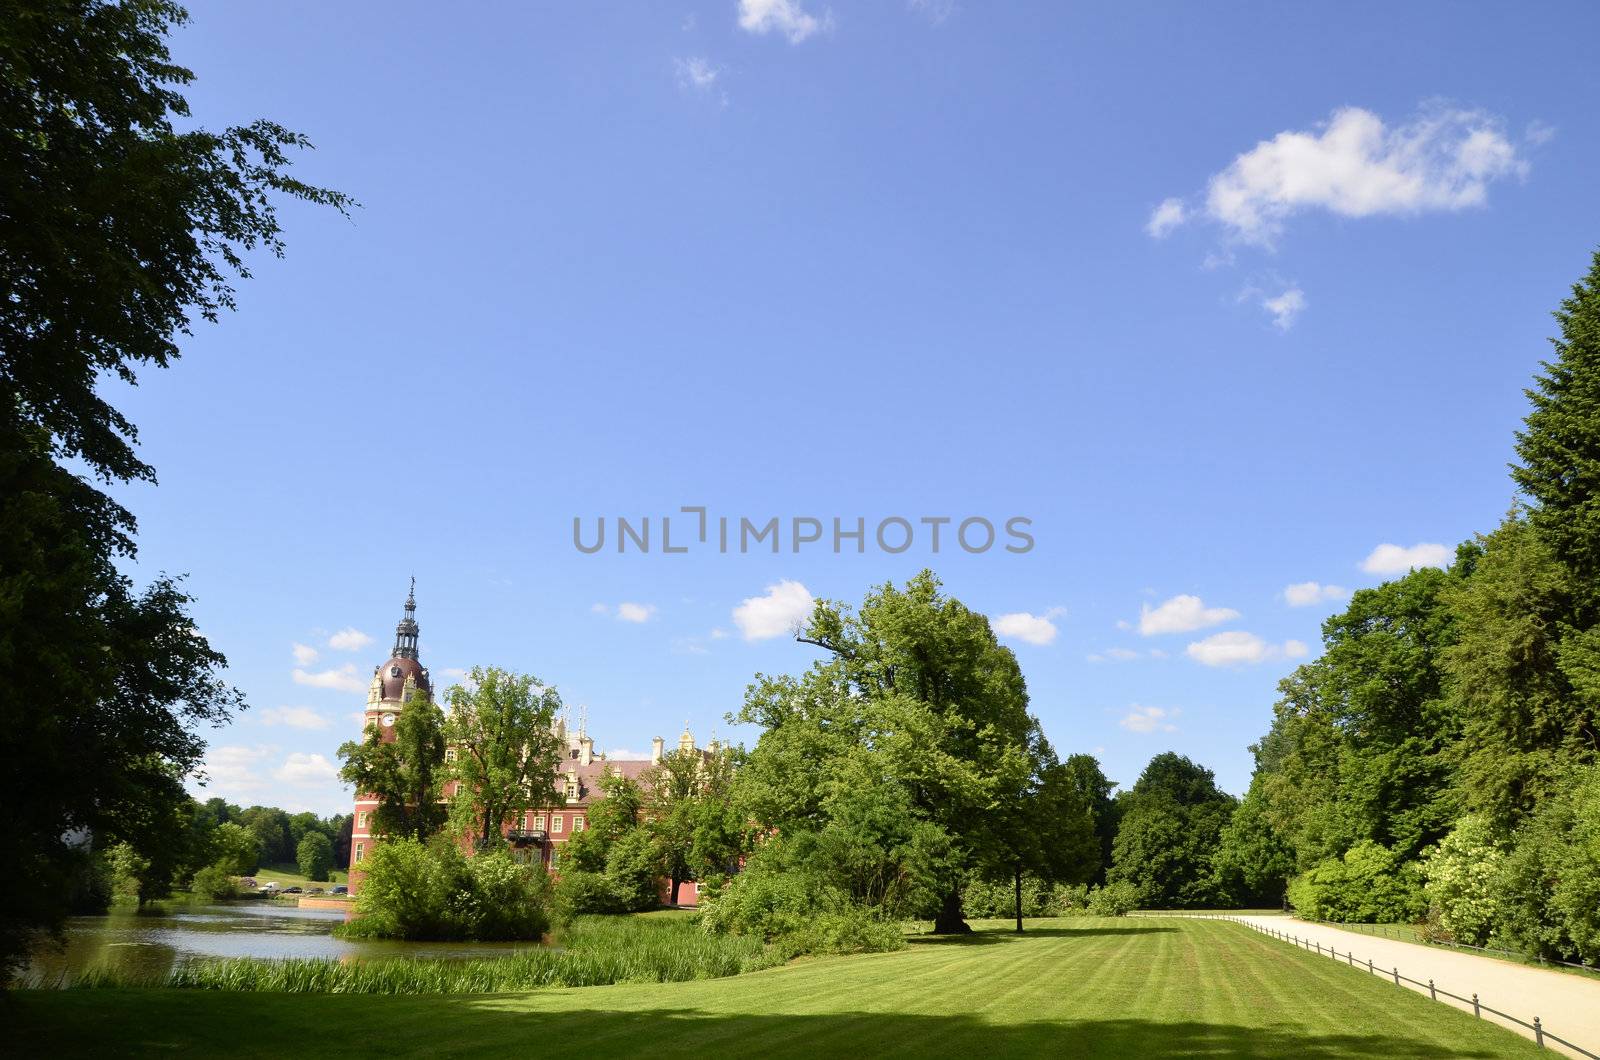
(315, 890)
(292, 890)
(341, 889)
(270, 885)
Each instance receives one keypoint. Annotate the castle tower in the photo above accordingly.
(394, 683)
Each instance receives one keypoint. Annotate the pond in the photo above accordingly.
(153, 943)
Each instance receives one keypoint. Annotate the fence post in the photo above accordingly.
(1351, 957)
(1369, 966)
(1431, 991)
(1475, 1010)
(1538, 1032)
(1397, 977)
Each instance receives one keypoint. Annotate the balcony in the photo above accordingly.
(525, 837)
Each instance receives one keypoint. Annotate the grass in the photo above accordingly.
(594, 951)
(289, 876)
(1083, 988)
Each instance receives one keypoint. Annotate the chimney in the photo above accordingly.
(655, 750)
(586, 750)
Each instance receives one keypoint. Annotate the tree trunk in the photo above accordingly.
(676, 883)
(949, 921)
(1019, 901)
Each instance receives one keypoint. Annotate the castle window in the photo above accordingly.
(361, 852)
(572, 789)
(449, 754)
(555, 823)
(577, 824)
(538, 823)
(361, 820)
(553, 853)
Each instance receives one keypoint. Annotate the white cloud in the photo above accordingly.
(1149, 719)
(294, 717)
(696, 74)
(1394, 559)
(1034, 629)
(1539, 133)
(631, 612)
(343, 679)
(1237, 648)
(303, 768)
(1354, 165)
(785, 607)
(235, 768)
(1114, 655)
(1304, 594)
(349, 639)
(304, 654)
(782, 16)
(935, 11)
(1165, 217)
(1181, 614)
(1285, 307)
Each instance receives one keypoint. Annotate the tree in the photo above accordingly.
(109, 687)
(1083, 773)
(1559, 447)
(238, 849)
(921, 683)
(314, 856)
(1171, 827)
(507, 752)
(406, 774)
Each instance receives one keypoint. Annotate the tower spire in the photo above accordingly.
(406, 630)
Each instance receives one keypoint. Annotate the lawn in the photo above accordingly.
(289, 876)
(1090, 988)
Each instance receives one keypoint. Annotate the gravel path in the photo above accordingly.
(1567, 1004)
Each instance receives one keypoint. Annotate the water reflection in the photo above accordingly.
(153, 943)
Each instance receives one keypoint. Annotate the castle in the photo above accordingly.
(540, 832)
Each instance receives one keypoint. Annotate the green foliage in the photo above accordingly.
(593, 951)
(798, 914)
(1549, 884)
(581, 891)
(1114, 899)
(899, 761)
(432, 892)
(1368, 884)
(1253, 861)
(507, 752)
(314, 856)
(214, 882)
(108, 687)
(1559, 447)
(1463, 878)
(238, 850)
(406, 773)
(1169, 835)
(997, 898)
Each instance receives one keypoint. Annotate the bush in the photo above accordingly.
(1368, 885)
(314, 856)
(213, 882)
(1114, 899)
(797, 913)
(507, 900)
(1549, 885)
(998, 898)
(578, 892)
(1462, 875)
(435, 893)
(632, 869)
(237, 848)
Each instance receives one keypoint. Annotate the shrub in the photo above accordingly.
(998, 898)
(314, 856)
(632, 869)
(1114, 899)
(1368, 885)
(412, 891)
(507, 900)
(578, 892)
(1549, 885)
(1462, 875)
(213, 882)
(797, 913)
(237, 848)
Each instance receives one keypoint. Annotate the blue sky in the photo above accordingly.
(1223, 299)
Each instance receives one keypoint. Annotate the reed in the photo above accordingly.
(593, 951)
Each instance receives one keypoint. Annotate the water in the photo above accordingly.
(153, 943)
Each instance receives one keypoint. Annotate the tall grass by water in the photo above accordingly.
(593, 951)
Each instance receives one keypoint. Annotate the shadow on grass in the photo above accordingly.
(127, 1023)
(990, 936)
